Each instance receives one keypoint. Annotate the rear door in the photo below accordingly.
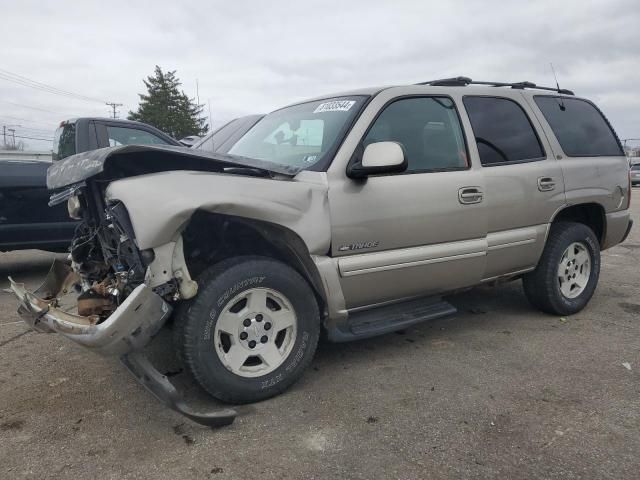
(524, 186)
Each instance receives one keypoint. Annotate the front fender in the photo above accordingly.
(161, 204)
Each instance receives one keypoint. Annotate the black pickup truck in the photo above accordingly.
(26, 220)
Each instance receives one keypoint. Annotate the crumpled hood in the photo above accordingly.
(160, 204)
(130, 160)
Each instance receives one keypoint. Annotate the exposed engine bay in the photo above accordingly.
(105, 257)
(118, 311)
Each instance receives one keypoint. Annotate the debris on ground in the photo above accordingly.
(477, 311)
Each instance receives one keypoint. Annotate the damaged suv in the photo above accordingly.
(349, 215)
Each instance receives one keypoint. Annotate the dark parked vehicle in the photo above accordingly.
(26, 220)
(225, 137)
(635, 174)
(190, 141)
(84, 134)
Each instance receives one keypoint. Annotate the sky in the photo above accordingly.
(253, 57)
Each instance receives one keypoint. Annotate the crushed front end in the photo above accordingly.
(120, 303)
(117, 312)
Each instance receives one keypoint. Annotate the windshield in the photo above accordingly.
(300, 136)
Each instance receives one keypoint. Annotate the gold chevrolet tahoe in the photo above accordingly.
(349, 214)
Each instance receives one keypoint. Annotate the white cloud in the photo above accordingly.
(256, 56)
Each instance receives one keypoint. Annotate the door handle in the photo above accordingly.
(469, 195)
(546, 184)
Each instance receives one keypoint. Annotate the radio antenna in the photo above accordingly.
(553, 70)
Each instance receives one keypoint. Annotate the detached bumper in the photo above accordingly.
(124, 334)
(129, 328)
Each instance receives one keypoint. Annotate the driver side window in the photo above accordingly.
(428, 128)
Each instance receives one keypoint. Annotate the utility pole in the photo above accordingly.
(114, 105)
(210, 118)
(4, 133)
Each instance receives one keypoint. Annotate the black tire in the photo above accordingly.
(542, 287)
(197, 323)
(177, 328)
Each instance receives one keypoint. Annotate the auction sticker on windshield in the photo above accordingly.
(335, 106)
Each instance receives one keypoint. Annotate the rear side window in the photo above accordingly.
(502, 130)
(64, 141)
(132, 136)
(579, 127)
(429, 130)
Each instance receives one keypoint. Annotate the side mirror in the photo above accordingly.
(377, 158)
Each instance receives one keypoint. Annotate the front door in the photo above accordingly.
(419, 232)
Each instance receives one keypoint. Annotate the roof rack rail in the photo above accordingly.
(464, 81)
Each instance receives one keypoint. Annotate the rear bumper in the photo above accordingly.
(129, 328)
(626, 234)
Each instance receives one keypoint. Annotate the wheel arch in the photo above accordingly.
(210, 238)
(590, 214)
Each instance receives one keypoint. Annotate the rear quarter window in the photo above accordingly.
(64, 141)
(580, 128)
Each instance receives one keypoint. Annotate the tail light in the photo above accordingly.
(629, 194)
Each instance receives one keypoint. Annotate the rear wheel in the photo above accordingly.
(252, 329)
(568, 272)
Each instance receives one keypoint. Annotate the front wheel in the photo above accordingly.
(567, 275)
(252, 329)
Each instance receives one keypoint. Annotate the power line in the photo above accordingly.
(33, 138)
(35, 131)
(32, 108)
(48, 129)
(12, 118)
(27, 82)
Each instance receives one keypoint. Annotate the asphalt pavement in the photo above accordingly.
(498, 391)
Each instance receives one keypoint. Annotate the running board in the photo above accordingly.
(390, 318)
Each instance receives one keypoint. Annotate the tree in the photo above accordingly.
(168, 108)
